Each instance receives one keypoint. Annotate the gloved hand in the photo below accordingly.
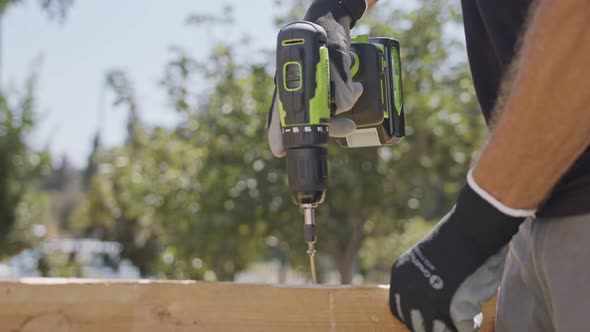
(439, 284)
(337, 17)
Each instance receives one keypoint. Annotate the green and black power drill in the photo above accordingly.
(306, 106)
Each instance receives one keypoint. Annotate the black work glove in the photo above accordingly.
(439, 283)
(337, 17)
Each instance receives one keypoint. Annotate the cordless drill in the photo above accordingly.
(306, 106)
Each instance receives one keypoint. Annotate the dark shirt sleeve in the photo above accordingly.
(492, 32)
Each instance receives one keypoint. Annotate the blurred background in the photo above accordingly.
(133, 143)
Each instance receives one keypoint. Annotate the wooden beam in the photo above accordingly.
(71, 305)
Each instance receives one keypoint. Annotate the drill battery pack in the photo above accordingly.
(379, 112)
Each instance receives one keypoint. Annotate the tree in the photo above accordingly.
(114, 209)
(55, 9)
(206, 194)
(19, 166)
(374, 192)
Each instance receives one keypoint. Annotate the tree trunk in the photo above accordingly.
(347, 262)
(347, 269)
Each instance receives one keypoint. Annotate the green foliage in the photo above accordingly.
(55, 9)
(378, 252)
(198, 200)
(205, 193)
(20, 208)
(5, 4)
(421, 175)
(119, 187)
(373, 192)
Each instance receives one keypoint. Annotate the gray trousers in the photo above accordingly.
(546, 281)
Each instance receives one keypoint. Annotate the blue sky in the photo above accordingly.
(134, 35)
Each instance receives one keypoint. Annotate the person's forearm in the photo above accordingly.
(370, 3)
(544, 124)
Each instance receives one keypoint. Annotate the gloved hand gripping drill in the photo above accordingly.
(337, 19)
(300, 120)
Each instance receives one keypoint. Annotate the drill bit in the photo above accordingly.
(311, 252)
(310, 236)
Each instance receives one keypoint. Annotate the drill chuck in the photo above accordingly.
(307, 169)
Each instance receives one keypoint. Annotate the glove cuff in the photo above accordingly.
(495, 202)
(481, 222)
(353, 8)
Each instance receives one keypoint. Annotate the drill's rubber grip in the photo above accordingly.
(303, 77)
(308, 174)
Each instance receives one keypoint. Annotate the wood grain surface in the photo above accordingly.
(68, 305)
